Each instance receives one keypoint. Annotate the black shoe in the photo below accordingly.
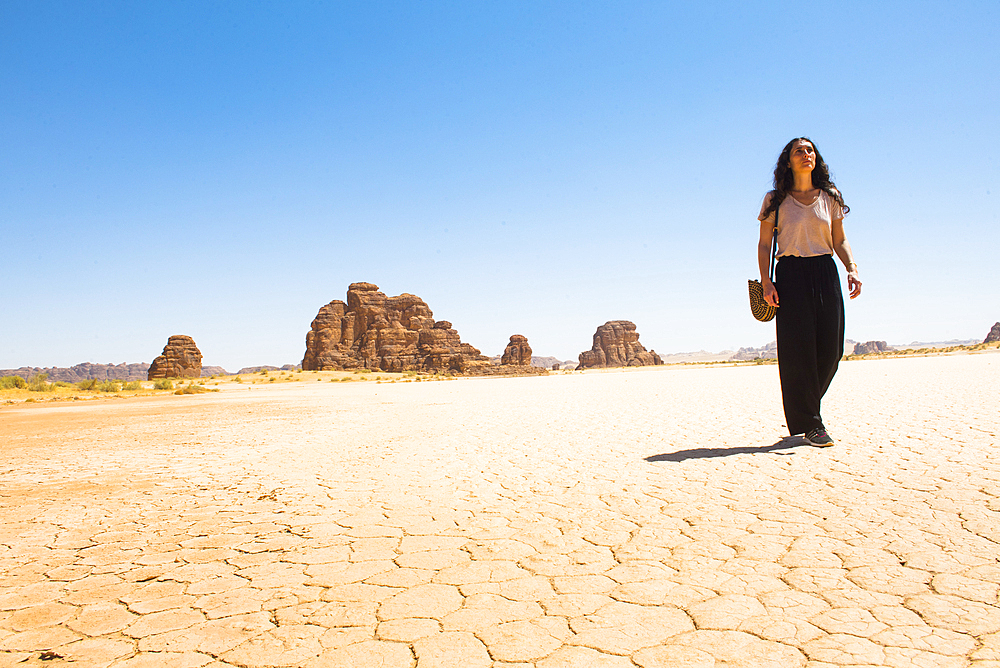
(819, 438)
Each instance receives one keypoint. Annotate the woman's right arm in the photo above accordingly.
(764, 261)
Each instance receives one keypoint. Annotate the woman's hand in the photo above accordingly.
(843, 250)
(853, 282)
(771, 293)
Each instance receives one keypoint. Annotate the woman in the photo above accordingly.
(806, 288)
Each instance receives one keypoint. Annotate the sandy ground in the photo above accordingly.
(651, 518)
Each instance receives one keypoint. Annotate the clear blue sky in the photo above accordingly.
(224, 169)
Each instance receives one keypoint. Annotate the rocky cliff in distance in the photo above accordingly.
(994, 334)
(616, 344)
(180, 359)
(373, 331)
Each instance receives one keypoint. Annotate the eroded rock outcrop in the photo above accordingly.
(180, 359)
(373, 331)
(517, 352)
(870, 347)
(616, 343)
(994, 334)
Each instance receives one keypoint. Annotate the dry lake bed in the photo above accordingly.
(655, 517)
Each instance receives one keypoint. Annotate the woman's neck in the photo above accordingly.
(802, 181)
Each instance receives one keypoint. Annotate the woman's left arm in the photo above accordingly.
(843, 250)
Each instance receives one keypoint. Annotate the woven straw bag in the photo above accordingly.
(760, 308)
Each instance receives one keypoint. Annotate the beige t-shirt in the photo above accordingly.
(805, 230)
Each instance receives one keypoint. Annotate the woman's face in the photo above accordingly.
(802, 157)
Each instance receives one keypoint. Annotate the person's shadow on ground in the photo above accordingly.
(707, 453)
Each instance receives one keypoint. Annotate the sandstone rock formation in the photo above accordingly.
(869, 347)
(616, 343)
(376, 332)
(180, 359)
(994, 334)
(517, 352)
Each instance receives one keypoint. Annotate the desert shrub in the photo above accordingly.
(13, 383)
(132, 386)
(263, 372)
(271, 379)
(62, 383)
(192, 389)
(163, 384)
(108, 386)
(86, 384)
(238, 379)
(37, 383)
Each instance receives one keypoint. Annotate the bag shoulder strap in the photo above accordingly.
(774, 243)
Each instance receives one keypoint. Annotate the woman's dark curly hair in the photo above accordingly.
(783, 180)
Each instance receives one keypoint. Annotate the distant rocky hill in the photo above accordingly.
(697, 356)
(87, 371)
(266, 367)
(936, 344)
(84, 371)
(768, 352)
(543, 362)
(549, 362)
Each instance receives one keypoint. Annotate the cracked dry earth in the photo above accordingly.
(649, 518)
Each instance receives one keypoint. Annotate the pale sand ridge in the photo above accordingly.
(650, 517)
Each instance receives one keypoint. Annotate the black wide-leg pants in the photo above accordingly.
(810, 326)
